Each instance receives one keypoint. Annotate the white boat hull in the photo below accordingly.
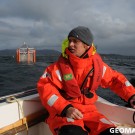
(23, 112)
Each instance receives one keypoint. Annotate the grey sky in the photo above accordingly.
(43, 24)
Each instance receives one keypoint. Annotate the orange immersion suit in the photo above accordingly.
(53, 88)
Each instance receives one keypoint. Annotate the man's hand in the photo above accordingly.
(132, 102)
(74, 113)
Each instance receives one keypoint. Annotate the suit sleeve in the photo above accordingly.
(117, 82)
(49, 94)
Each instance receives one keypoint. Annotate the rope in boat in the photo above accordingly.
(14, 99)
(23, 93)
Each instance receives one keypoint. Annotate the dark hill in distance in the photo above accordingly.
(12, 52)
(48, 52)
(7, 52)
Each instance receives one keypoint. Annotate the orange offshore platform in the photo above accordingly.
(26, 54)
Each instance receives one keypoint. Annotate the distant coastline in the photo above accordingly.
(12, 52)
(48, 52)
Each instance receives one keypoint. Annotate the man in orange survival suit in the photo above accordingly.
(68, 88)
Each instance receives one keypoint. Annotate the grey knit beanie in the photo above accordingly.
(82, 33)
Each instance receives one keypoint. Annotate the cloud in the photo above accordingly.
(44, 23)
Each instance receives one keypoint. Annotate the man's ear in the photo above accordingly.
(86, 46)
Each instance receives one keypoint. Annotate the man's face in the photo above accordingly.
(76, 46)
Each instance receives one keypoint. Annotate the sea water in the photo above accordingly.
(17, 77)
